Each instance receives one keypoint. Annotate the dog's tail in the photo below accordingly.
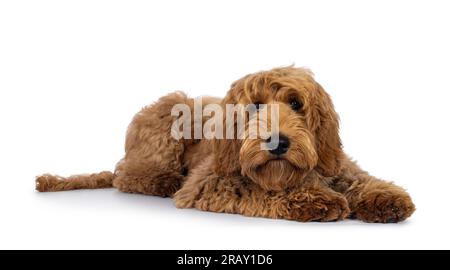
(48, 182)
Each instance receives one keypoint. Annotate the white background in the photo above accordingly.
(73, 73)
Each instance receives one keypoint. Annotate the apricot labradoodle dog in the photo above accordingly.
(306, 178)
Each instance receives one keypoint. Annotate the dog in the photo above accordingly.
(306, 177)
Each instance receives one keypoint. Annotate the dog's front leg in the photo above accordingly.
(235, 194)
(371, 199)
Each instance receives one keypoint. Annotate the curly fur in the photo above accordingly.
(314, 181)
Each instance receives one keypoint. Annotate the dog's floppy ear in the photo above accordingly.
(226, 150)
(328, 142)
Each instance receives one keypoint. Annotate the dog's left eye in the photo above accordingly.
(296, 105)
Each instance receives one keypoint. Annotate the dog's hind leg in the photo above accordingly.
(153, 163)
(48, 182)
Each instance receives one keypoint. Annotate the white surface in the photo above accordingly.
(73, 73)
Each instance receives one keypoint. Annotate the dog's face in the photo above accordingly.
(308, 130)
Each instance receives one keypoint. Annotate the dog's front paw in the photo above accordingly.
(184, 198)
(319, 207)
(385, 206)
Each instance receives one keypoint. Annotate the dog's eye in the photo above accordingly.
(296, 105)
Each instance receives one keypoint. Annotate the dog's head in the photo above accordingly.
(308, 130)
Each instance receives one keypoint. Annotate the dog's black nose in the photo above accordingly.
(283, 145)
